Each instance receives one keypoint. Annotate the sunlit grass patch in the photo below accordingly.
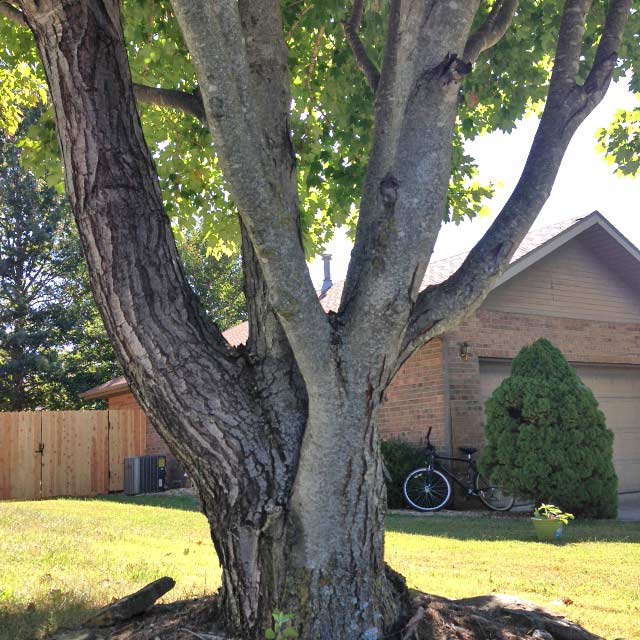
(61, 559)
(593, 578)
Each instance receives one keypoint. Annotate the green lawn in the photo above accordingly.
(59, 559)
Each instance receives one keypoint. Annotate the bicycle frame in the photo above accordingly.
(472, 469)
(472, 485)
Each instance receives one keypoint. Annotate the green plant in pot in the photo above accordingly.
(549, 522)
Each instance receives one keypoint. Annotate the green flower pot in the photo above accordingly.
(548, 530)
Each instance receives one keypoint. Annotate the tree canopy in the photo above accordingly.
(332, 110)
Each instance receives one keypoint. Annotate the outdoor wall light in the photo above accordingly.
(464, 350)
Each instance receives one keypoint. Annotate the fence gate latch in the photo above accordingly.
(40, 448)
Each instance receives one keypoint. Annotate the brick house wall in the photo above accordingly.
(582, 293)
(438, 388)
(417, 399)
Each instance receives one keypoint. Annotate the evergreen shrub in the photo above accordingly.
(400, 458)
(546, 437)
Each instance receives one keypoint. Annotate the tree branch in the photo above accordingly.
(409, 165)
(568, 104)
(314, 56)
(15, 15)
(240, 59)
(351, 27)
(190, 103)
(568, 49)
(606, 54)
(296, 24)
(491, 31)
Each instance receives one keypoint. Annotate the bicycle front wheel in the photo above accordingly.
(491, 495)
(427, 490)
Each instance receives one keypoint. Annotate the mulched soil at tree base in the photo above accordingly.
(496, 617)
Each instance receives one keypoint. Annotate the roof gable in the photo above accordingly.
(572, 281)
(536, 245)
(540, 243)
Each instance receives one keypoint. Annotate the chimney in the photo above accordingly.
(326, 284)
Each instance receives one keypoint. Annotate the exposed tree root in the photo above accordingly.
(491, 617)
(496, 617)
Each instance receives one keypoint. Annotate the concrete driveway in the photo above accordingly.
(629, 507)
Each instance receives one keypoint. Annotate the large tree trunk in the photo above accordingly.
(321, 557)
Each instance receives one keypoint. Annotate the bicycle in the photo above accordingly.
(429, 489)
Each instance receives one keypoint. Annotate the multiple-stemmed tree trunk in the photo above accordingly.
(281, 437)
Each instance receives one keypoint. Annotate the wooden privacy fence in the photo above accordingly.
(44, 454)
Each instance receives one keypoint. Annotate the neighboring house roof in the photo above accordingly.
(106, 390)
(537, 244)
(237, 335)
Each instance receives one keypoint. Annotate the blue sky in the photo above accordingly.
(585, 182)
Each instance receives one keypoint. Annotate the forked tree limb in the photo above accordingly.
(351, 28)
(409, 166)
(251, 130)
(568, 104)
(491, 31)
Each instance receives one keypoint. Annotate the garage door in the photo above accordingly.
(617, 390)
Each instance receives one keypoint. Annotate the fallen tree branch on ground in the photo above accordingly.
(133, 605)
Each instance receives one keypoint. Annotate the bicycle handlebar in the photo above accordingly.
(429, 445)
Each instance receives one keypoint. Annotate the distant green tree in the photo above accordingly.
(216, 281)
(547, 438)
(52, 341)
(85, 353)
(36, 256)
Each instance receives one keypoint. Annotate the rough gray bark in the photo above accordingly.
(190, 103)
(281, 435)
(491, 30)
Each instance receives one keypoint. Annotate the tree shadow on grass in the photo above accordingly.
(509, 527)
(182, 502)
(37, 619)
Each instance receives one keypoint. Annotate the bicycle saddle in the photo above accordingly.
(468, 450)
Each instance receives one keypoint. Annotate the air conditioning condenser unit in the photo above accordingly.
(144, 474)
